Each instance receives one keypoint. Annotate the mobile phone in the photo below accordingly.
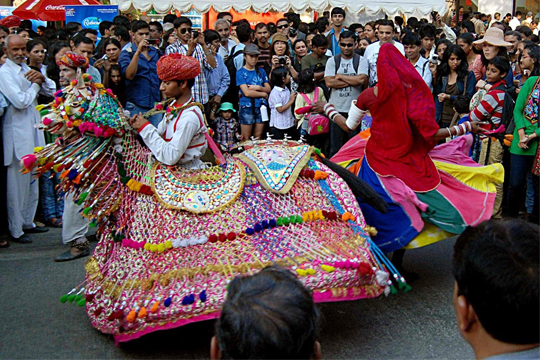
(153, 41)
(434, 15)
(195, 34)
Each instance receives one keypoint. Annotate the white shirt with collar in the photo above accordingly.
(178, 139)
(19, 131)
(422, 66)
(226, 52)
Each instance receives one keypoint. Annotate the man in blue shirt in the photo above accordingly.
(338, 18)
(139, 65)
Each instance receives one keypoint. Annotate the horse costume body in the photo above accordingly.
(170, 240)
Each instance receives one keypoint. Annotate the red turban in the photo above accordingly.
(11, 21)
(73, 60)
(178, 67)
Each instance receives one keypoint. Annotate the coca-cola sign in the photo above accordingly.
(54, 7)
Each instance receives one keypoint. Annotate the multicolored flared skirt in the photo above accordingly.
(464, 197)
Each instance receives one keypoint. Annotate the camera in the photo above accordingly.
(434, 15)
(293, 32)
(195, 34)
(282, 60)
(153, 41)
(435, 59)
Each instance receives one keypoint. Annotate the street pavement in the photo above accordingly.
(34, 324)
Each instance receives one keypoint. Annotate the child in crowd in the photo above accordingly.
(491, 109)
(308, 88)
(269, 315)
(280, 102)
(254, 90)
(226, 127)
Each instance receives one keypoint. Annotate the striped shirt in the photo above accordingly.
(491, 106)
(200, 88)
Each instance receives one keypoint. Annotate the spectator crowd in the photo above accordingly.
(261, 81)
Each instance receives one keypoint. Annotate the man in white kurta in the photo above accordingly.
(180, 138)
(20, 85)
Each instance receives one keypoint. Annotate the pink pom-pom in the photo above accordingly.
(98, 131)
(29, 160)
(125, 242)
(47, 121)
(69, 124)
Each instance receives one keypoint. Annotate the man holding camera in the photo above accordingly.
(138, 62)
(191, 43)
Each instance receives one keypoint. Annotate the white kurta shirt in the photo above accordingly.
(179, 140)
(21, 116)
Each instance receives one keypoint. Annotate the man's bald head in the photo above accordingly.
(15, 48)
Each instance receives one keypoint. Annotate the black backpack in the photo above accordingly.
(507, 118)
(356, 62)
(231, 95)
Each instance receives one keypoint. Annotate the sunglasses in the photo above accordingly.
(185, 30)
(282, 26)
(346, 45)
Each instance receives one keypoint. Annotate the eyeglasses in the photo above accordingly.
(282, 26)
(346, 44)
(185, 30)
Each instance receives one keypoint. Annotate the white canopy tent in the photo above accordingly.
(371, 8)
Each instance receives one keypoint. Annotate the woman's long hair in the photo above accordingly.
(444, 68)
(534, 53)
(503, 52)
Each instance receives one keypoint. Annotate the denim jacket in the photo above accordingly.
(441, 88)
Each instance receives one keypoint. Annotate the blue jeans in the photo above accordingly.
(52, 204)
(135, 109)
(520, 168)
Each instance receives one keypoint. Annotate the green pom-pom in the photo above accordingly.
(401, 285)
(124, 179)
(44, 112)
(93, 223)
(299, 219)
(406, 288)
(83, 197)
(71, 298)
(122, 172)
(292, 219)
(286, 220)
(81, 302)
(64, 298)
(393, 290)
(317, 151)
(87, 210)
(279, 221)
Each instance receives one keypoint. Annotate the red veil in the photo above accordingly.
(404, 124)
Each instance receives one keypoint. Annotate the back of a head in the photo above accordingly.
(270, 315)
(121, 20)
(243, 32)
(496, 267)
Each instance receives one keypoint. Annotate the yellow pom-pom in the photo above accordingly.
(168, 244)
(161, 248)
(311, 271)
(153, 248)
(42, 161)
(328, 268)
(147, 246)
(38, 149)
(301, 272)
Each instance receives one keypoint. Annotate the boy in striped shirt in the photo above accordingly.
(490, 109)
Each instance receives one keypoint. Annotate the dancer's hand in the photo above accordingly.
(476, 129)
